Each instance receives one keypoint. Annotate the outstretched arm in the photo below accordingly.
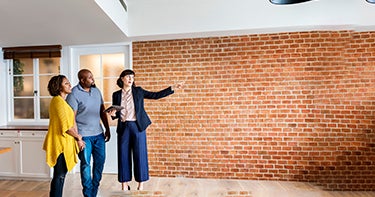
(163, 93)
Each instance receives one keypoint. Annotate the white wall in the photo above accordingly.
(223, 17)
(3, 88)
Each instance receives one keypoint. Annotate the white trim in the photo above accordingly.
(3, 86)
(36, 98)
(76, 51)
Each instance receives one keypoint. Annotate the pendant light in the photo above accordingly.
(285, 2)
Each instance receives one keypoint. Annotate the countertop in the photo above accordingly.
(24, 127)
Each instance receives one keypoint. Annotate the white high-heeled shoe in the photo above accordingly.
(140, 186)
(123, 186)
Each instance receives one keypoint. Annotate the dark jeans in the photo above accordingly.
(95, 147)
(59, 172)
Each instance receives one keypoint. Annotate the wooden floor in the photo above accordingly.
(177, 187)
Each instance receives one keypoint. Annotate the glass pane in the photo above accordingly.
(23, 66)
(91, 62)
(23, 86)
(24, 108)
(113, 64)
(44, 106)
(99, 84)
(109, 86)
(43, 83)
(49, 65)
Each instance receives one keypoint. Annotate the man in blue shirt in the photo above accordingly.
(88, 106)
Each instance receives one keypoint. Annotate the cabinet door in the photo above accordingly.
(33, 159)
(9, 160)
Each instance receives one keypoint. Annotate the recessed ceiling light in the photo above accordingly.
(284, 2)
(371, 1)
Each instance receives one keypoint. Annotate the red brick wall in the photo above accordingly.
(287, 106)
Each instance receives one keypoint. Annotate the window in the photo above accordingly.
(106, 63)
(29, 70)
(29, 95)
(106, 68)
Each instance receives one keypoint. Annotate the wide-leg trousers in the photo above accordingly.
(132, 149)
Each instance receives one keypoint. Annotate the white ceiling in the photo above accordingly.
(65, 22)
(83, 22)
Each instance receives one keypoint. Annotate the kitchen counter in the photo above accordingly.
(24, 127)
(23, 155)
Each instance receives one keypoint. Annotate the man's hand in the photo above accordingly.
(107, 135)
(81, 144)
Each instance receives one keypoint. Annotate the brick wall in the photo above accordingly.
(287, 106)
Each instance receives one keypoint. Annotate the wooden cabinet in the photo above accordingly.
(27, 158)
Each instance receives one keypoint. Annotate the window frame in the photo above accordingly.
(68, 67)
(77, 51)
(37, 120)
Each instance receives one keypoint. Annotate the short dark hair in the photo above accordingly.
(82, 74)
(120, 83)
(55, 85)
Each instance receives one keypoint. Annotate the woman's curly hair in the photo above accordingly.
(55, 85)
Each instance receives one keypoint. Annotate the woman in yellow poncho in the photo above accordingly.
(62, 142)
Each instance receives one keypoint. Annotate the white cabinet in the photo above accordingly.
(9, 160)
(27, 158)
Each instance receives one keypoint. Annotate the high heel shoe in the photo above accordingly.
(123, 187)
(140, 187)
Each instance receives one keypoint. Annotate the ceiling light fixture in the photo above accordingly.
(284, 2)
(370, 1)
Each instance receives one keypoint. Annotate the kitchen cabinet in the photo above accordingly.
(27, 158)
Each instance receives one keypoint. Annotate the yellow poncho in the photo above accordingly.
(57, 141)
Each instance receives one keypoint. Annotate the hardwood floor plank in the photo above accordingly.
(177, 187)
